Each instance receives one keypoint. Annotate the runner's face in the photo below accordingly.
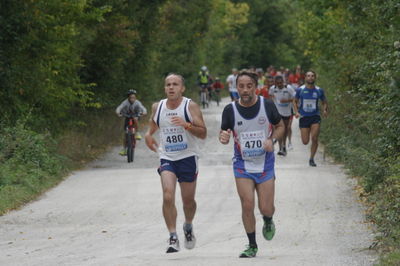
(270, 82)
(310, 77)
(173, 87)
(279, 83)
(246, 89)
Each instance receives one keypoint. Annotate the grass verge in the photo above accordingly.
(31, 162)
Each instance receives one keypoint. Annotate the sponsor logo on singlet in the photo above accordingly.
(171, 114)
(262, 120)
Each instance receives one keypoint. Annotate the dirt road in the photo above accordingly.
(110, 214)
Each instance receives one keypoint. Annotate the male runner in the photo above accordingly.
(180, 122)
(308, 96)
(251, 120)
(282, 96)
(231, 80)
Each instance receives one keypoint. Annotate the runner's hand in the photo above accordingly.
(151, 142)
(297, 115)
(178, 121)
(224, 136)
(268, 145)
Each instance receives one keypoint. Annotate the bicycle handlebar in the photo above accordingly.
(132, 115)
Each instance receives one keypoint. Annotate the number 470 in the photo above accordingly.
(253, 144)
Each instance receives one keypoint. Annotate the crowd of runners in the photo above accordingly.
(260, 114)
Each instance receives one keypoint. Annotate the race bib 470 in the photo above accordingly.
(251, 144)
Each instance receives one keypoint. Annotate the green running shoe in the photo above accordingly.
(249, 252)
(268, 230)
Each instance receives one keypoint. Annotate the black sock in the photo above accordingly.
(267, 219)
(252, 239)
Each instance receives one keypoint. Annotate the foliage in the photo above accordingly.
(28, 165)
(355, 48)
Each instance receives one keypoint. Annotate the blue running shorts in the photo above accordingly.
(258, 178)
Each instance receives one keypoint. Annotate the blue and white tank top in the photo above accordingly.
(249, 136)
(175, 142)
(309, 99)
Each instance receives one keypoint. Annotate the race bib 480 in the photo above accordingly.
(174, 139)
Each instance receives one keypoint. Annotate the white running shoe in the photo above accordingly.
(190, 239)
(173, 245)
(290, 147)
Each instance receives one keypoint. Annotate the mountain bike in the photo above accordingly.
(216, 95)
(130, 138)
(203, 95)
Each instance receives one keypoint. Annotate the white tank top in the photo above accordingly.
(286, 93)
(249, 135)
(175, 142)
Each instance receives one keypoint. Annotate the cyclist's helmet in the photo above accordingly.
(130, 92)
(204, 68)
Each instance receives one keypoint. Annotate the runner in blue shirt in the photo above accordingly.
(306, 106)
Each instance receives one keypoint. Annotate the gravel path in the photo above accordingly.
(110, 214)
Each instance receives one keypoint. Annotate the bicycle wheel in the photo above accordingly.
(203, 99)
(130, 148)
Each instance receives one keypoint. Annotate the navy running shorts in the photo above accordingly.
(307, 121)
(185, 169)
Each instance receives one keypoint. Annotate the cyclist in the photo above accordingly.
(204, 82)
(261, 78)
(131, 107)
(216, 88)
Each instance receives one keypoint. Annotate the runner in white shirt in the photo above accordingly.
(180, 122)
(231, 80)
(283, 96)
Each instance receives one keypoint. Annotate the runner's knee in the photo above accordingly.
(188, 201)
(168, 196)
(305, 141)
(267, 209)
(314, 138)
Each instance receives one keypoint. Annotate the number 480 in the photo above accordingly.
(174, 139)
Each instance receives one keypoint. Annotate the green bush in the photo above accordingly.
(28, 165)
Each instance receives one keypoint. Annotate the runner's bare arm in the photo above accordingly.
(198, 127)
(325, 108)
(150, 140)
(295, 105)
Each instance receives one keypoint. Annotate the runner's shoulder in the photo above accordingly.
(228, 109)
(193, 104)
(154, 106)
(268, 102)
